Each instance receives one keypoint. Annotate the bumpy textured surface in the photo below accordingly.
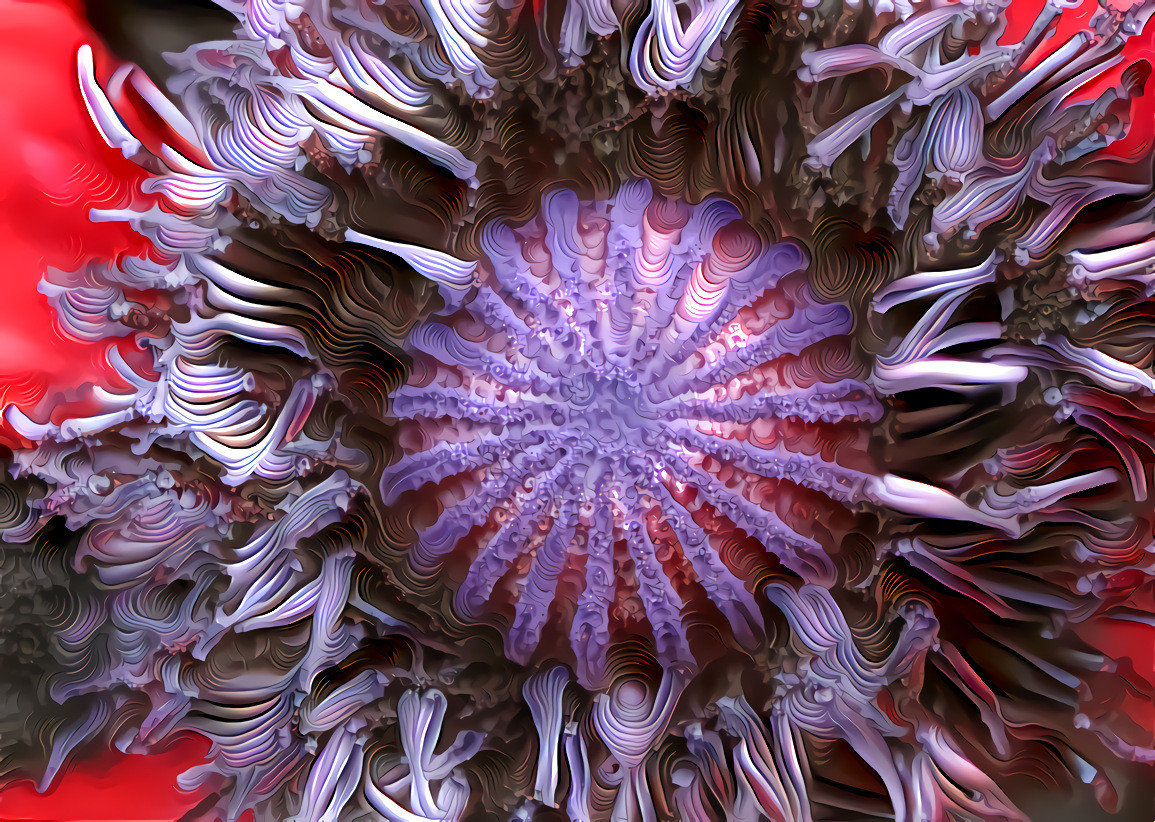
(592, 410)
(634, 372)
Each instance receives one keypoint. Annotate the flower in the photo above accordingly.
(610, 413)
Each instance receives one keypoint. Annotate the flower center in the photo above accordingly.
(624, 413)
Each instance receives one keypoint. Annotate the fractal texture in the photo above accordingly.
(632, 410)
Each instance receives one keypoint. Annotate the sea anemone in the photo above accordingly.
(644, 410)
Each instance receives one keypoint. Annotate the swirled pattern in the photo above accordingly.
(609, 411)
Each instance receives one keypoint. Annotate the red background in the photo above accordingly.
(54, 169)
